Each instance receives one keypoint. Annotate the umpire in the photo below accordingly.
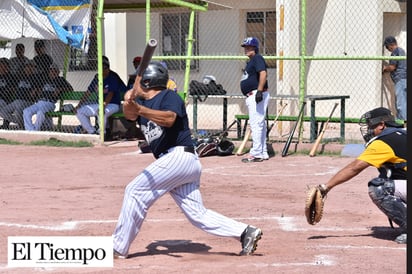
(385, 150)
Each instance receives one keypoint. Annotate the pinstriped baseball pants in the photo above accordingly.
(177, 173)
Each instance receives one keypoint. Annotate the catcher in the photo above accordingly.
(386, 150)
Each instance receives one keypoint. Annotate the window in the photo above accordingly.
(262, 24)
(175, 29)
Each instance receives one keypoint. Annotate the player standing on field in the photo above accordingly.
(162, 117)
(254, 86)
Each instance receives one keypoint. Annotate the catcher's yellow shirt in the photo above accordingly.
(378, 152)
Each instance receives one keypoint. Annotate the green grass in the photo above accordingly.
(51, 142)
(9, 142)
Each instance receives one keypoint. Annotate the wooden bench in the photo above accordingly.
(74, 96)
(318, 119)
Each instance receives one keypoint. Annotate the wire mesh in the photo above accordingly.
(311, 48)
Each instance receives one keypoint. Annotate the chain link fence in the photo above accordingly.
(319, 48)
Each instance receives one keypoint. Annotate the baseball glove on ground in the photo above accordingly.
(315, 200)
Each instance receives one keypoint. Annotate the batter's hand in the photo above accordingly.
(129, 96)
(131, 110)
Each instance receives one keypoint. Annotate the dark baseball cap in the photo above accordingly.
(389, 40)
(137, 59)
(106, 61)
(381, 114)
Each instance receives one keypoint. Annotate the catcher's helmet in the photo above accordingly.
(155, 76)
(225, 148)
(374, 117)
(251, 41)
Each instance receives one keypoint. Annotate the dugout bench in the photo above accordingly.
(69, 96)
(312, 118)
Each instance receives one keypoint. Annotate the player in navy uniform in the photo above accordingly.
(27, 91)
(50, 94)
(162, 117)
(254, 86)
(88, 105)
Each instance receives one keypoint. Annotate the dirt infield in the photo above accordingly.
(78, 191)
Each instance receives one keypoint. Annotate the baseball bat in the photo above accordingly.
(276, 118)
(147, 56)
(243, 144)
(320, 136)
(289, 140)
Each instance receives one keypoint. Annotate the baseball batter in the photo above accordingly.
(254, 86)
(162, 117)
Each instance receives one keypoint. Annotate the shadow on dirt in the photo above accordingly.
(173, 247)
(379, 232)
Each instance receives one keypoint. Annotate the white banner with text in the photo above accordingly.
(60, 251)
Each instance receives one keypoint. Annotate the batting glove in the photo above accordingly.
(258, 96)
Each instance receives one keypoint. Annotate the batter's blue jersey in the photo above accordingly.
(162, 138)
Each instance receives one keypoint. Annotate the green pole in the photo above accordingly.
(190, 41)
(147, 20)
(66, 61)
(99, 24)
(302, 76)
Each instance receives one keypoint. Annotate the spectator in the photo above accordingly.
(49, 96)
(88, 106)
(132, 77)
(6, 87)
(397, 69)
(18, 63)
(43, 60)
(27, 89)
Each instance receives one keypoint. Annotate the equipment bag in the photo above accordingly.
(201, 90)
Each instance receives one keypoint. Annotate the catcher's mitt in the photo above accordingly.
(315, 199)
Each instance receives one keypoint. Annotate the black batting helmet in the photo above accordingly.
(154, 76)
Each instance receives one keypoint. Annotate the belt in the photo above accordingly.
(250, 93)
(190, 149)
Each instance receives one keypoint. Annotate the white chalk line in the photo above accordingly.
(318, 260)
(401, 247)
(223, 171)
(292, 224)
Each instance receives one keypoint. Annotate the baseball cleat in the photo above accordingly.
(401, 239)
(117, 255)
(249, 240)
(252, 159)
